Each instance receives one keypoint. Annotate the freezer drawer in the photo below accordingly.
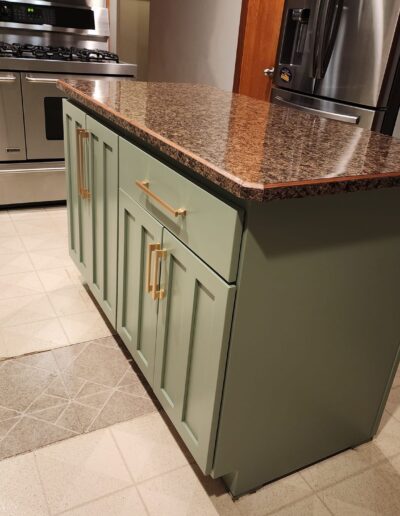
(325, 108)
(12, 135)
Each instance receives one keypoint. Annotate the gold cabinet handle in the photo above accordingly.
(144, 185)
(151, 248)
(81, 134)
(157, 292)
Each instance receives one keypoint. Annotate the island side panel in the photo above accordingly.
(315, 338)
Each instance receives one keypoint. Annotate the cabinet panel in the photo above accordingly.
(137, 311)
(103, 172)
(211, 228)
(79, 216)
(192, 340)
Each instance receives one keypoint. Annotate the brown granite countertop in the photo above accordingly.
(253, 149)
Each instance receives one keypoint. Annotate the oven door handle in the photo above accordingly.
(40, 80)
(8, 78)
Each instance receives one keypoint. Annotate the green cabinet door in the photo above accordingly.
(103, 173)
(79, 211)
(137, 311)
(193, 328)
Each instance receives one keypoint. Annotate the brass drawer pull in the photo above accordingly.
(144, 185)
(157, 292)
(81, 134)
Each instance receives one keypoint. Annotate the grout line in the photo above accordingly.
(41, 482)
(127, 468)
(84, 504)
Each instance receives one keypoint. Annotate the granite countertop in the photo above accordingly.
(253, 149)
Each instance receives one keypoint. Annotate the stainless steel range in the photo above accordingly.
(41, 42)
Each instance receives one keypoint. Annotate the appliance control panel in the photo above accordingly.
(56, 16)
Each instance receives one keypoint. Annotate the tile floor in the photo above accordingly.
(43, 304)
(136, 467)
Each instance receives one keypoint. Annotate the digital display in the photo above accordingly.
(57, 16)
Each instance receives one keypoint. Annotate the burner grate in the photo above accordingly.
(57, 53)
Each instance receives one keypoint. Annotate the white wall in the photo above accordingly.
(194, 41)
(132, 26)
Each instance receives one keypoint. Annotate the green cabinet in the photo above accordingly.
(174, 315)
(91, 152)
(139, 232)
(193, 327)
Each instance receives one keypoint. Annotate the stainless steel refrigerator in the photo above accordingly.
(340, 59)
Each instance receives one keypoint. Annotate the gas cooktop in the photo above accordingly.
(85, 55)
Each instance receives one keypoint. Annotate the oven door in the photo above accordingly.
(12, 135)
(43, 115)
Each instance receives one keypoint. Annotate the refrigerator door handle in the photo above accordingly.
(350, 119)
(318, 32)
(330, 34)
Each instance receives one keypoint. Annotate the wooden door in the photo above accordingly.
(193, 330)
(103, 171)
(137, 310)
(78, 203)
(258, 42)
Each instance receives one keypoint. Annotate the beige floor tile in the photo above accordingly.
(274, 496)
(311, 506)
(27, 213)
(148, 447)
(21, 284)
(71, 300)
(7, 228)
(50, 259)
(218, 494)
(11, 244)
(56, 209)
(387, 441)
(80, 470)
(14, 263)
(393, 402)
(99, 364)
(31, 338)
(40, 241)
(122, 406)
(56, 279)
(341, 466)
(84, 326)
(177, 493)
(30, 434)
(20, 385)
(4, 215)
(396, 381)
(25, 309)
(21, 493)
(123, 503)
(374, 492)
(43, 360)
(65, 356)
(35, 225)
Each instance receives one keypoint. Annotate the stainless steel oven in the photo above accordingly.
(12, 134)
(41, 42)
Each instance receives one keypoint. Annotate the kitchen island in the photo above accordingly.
(249, 257)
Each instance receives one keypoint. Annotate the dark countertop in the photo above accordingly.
(253, 149)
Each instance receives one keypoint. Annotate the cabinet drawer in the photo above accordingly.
(210, 227)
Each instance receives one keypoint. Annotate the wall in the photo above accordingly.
(133, 33)
(396, 131)
(194, 41)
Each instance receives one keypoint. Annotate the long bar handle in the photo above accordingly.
(8, 78)
(350, 119)
(157, 291)
(81, 134)
(41, 80)
(144, 185)
(150, 250)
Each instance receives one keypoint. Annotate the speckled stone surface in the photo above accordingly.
(253, 149)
